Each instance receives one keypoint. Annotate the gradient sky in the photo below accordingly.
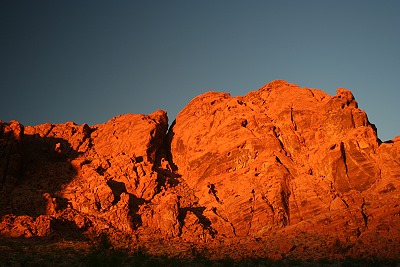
(87, 61)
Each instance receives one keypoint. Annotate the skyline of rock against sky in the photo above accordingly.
(89, 61)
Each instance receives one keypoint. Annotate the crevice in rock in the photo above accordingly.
(49, 131)
(167, 171)
(252, 209)
(198, 212)
(285, 203)
(344, 201)
(292, 119)
(343, 151)
(165, 149)
(277, 135)
(213, 191)
(344, 156)
(365, 217)
(214, 210)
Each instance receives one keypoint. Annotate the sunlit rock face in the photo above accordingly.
(282, 160)
(274, 157)
(285, 156)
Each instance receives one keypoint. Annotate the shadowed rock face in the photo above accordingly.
(92, 176)
(281, 160)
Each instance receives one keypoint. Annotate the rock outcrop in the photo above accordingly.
(288, 165)
(275, 157)
(103, 172)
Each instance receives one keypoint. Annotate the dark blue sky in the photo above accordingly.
(87, 61)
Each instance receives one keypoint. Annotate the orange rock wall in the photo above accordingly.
(280, 160)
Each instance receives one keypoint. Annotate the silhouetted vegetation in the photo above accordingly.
(101, 252)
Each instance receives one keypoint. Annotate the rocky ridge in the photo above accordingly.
(280, 172)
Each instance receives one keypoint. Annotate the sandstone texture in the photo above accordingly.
(282, 172)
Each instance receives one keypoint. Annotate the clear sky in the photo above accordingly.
(87, 61)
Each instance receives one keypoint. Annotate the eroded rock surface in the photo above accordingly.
(103, 172)
(292, 166)
(286, 157)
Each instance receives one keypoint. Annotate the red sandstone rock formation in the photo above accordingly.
(102, 172)
(281, 164)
